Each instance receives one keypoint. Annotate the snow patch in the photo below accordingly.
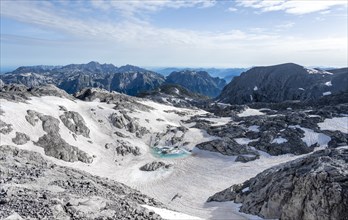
(250, 112)
(255, 88)
(328, 83)
(245, 189)
(335, 124)
(301, 89)
(326, 93)
(168, 214)
(243, 141)
(279, 140)
(254, 128)
(311, 137)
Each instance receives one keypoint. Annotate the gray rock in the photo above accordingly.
(312, 187)
(122, 121)
(227, 146)
(20, 138)
(125, 148)
(76, 194)
(244, 158)
(53, 144)
(75, 123)
(5, 128)
(58, 148)
(155, 165)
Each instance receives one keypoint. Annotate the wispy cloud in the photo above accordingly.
(137, 7)
(123, 28)
(297, 7)
(232, 9)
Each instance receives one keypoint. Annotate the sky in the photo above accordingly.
(185, 33)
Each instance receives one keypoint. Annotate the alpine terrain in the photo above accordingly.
(272, 145)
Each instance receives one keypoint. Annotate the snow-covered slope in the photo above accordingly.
(121, 139)
(192, 177)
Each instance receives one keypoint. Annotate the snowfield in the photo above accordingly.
(335, 124)
(185, 186)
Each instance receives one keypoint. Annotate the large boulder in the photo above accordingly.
(311, 187)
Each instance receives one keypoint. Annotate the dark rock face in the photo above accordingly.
(312, 187)
(197, 81)
(121, 101)
(62, 192)
(72, 78)
(227, 146)
(75, 123)
(283, 82)
(155, 165)
(53, 144)
(20, 138)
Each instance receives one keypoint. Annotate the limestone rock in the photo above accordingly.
(155, 165)
(20, 138)
(75, 123)
(312, 187)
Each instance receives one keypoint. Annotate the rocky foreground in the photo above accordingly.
(312, 187)
(33, 187)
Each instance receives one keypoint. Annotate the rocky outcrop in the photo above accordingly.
(173, 136)
(123, 148)
(197, 81)
(75, 123)
(312, 187)
(121, 120)
(57, 147)
(155, 165)
(35, 188)
(20, 138)
(5, 128)
(227, 146)
(283, 82)
(53, 144)
(21, 93)
(244, 158)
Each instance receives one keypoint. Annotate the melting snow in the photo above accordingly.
(254, 128)
(246, 189)
(327, 93)
(311, 137)
(301, 89)
(328, 83)
(168, 214)
(243, 141)
(279, 140)
(314, 71)
(250, 112)
(335, 124)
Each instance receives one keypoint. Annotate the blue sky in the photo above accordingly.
(190, 33)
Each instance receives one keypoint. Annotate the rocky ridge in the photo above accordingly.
(284, 82)
(312, 187)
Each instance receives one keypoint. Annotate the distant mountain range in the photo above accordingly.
(127, 79)
(284, 82)
(223, 73)
(197, 81)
